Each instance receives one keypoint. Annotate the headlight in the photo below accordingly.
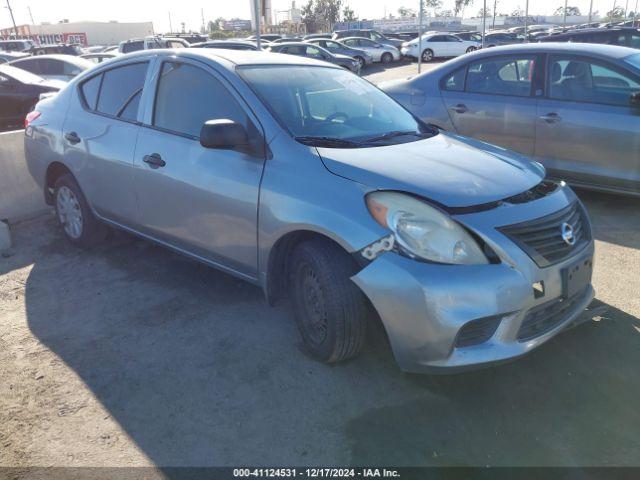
(423, 231)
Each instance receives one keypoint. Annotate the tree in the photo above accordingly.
(617, 13)
(484, 12)
(321, 14)
(405, 12)
(570, 11)
(460, 5)
(348, 15)
(434, 4)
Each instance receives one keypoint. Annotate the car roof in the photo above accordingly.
(356, 38)
(599, 49)
(227, 58)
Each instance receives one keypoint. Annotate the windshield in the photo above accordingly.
(20, 75)
(633, 60)
(330, 103)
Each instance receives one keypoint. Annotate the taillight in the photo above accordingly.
(31, 116)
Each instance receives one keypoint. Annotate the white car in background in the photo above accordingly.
(53, 67)
(435, 45)
(378, 51)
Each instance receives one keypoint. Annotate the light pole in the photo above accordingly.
(590, 10)
(421, 18)
(564, 17)
(526, 21)
(170, 25)
(484, 20)
(256, 8)
(626, 5)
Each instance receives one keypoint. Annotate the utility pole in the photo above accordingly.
(203, 25)
(13, 20)
(495, 6)
(590, 10)
(626, 5)
(31, 16)
(170, 25)
(635, 14)
(421, 17)
(256, 8)
(610, 16)
(484, 21)
(526, 21)
(564, 17)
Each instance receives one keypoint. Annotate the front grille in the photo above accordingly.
(542, 238)
(539, 320)
(477, 331)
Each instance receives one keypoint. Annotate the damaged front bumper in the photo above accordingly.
(429, 310)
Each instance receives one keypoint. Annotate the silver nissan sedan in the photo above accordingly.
(299, 176)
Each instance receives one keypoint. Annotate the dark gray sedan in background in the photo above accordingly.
(573, 107)
(316, 52)
(333, 46)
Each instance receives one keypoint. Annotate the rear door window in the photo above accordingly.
(454, 82)
(90, 90)
(507, 75)
(121, 90)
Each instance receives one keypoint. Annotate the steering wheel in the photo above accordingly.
(336, 115)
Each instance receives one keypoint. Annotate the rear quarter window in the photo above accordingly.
(89, 90)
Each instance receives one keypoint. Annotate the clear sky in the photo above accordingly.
(189, 11)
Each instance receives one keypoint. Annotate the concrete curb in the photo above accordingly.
(5, 235)
(20, 195)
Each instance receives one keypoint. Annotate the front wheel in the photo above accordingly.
(361, 62)
(427, 55)
(471, 49)
(330, 310)
(79, 224)
(387, 57)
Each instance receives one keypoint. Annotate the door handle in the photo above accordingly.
(72, 138)
(550, 117)
(460, 108)
(154, 160)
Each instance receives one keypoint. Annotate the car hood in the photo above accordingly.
(448, 169)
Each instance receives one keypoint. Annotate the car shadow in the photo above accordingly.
(614, 218)
(198, 371)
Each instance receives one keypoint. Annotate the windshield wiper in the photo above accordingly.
(393, 134)
(327, 141)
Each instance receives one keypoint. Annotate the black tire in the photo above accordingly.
(330, 310)
(427, 55)
(361, 61)
(92, 231)
(471, 49)
(386, 57)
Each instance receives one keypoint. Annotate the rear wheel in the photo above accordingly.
(72, 211)
(387, 57)
(427, 55)
(471, 49)
(329, 309)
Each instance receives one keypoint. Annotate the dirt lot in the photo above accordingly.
(131, 355)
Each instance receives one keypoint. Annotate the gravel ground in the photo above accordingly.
(129, 355)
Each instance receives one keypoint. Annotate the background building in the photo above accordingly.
(84, 33)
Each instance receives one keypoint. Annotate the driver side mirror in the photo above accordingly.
(224, 134)
(634, 99)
